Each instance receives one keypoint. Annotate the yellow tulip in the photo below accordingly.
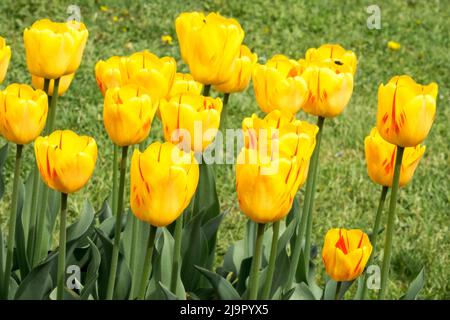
(111, 73)
(154, 74)
(333, 53)
(278, 85)
(23, 112)
(209, 45)
(185, 83)
(54, 49)
(345, 253)
(64, 83)
(163, 181)
(128, 114)
(65, 160)
(380, 157)
(5, 56)
(191, 120)
(273, 164)
(406, 111)
(243, 68)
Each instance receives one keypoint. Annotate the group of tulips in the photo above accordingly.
(279, 155)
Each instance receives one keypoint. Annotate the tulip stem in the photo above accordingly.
(256, 262)
(52, 114)
(304, 220)
(62, 248)
(223, 114)
(12, 222)
(206, 89)
(390, 224)
(338, 290)
(272, 261)
(114, 178)
(147, 262)
(118, 228)
(374, 236)
(176, 254)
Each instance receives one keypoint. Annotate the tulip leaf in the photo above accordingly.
(330, 290)
(233, 257)
(415, 286)
(206, 200)
(302, 292)
(166, 292)
(243, 275)
(22, 220)
(224, 289)
(92, 271)
(3, 156)
(105, 212)
(281, 273)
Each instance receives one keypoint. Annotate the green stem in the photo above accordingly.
(206, 90)
(303, 221)
(114, 178)
(223, 114)
(52, 112)
(118, 228)
(147, 262)
(256, 262)
(390, 224)
(176, 254)
(374, 236)
(62, 248)
(338, 290)
(134, 231)
(272, 261)
(12, 222)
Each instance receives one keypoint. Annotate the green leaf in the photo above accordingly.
(22, 231)
(105, 212)
(78, 229)
(3, 156)
(243, 275)
(302, 292)
(415, 286)
(330, 290)
(223, 288)
(166, 292)
(206, 200)
(92, 271)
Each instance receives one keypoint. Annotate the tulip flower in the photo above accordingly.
(333, 53)
(23, 112)
(54, 49)
(243, 68)
(111, 73)
(406, 111)
(128, 113)
(64, 84)
(345, 253)
(5, 56)
(191, 120)
(380, 157)
(279, 85)
(184, 83)
(209, 45)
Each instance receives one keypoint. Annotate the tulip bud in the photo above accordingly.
(5, 56)
(406, 111)
(65, 160)
(64, 83)
(54, 49)
(128, 114)
(111, 73)
(163, 181)
(345, 253)
(23, 112)
(380, 157)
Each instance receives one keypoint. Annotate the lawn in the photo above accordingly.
(346, 197)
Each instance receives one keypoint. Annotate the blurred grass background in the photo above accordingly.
(346, 197)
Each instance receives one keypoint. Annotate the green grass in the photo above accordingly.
(346, 197)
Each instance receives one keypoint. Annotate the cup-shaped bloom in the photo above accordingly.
(242, 72)
(333, 53)
(273, 164)
(406, 111)
(163, 181)
(209, 45)
(128, 114)
(111, 73)
(23, 112)
(345, 253)
(191, 120)
(5, 56)
(54, 49)
(185, 83)
(65, 160)
(64, 84)
(154, 74)
(278, 85)
(380, 158)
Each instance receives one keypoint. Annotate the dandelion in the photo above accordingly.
(166, 39)
(394, 45)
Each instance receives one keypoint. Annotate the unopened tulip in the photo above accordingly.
(111, 73)
(163, 181)
(5, 56)
(54, 49)
(209, 45)
(191, 120)
(23, 112)
(333, 53)
(278, 85)
(65, 160)
(380, 158)
(406, 111)
(185, 83)
(345, 253)
(128, 114)
(243, 68)
(64, 84)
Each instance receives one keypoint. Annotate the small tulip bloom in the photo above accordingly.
(184, 83)
(64, 84)
(23, 112)
(111, 73)
(333, 53)
(5, 57)
(345, 253)
(406, 111)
